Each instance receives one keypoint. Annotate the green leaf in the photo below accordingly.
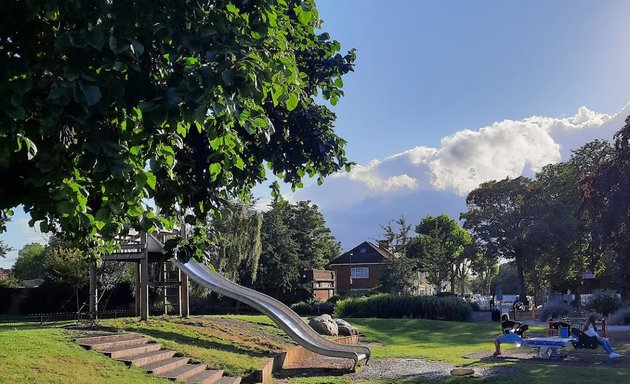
(277, 92)
(92, 94)
(215, 170)
(135, 211)
(95, 38)
(151, 180)
(137, 48)
(60, 95)
(240, 164)
(292, 102)
(226, 75)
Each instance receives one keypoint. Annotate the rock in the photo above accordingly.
(345, 328)
(324, 325)
(462, 372)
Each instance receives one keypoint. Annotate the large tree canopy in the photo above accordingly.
(295, 238)
(441, 247)
(606, 207)
(500, 221)
(108, 105)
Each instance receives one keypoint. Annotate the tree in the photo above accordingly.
(498, 219)
(396, 240)
(400, 277)
(486, 269)
(316, 244)
(294, 239)
(440, 247)
(67, 266)
(30, 263)
(238, 230)
(562, 236)
(506, 280)
(3, 222)
(105, 106)
(606, 208)
(278, 271)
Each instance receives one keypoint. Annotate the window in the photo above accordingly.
(360, 273)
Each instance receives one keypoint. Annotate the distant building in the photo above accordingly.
(361, 268)
(5, 274)
(322, 283)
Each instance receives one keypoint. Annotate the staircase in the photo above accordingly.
(139, 351)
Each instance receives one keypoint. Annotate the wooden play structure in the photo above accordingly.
(152, 270)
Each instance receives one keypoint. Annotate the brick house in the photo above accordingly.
(360, 268)
(5, 274)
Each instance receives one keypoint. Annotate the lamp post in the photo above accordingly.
(350, 262)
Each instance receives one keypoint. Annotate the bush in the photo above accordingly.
(417, 307)
(604, 301)
(7, 295)
(620, 317)
(557, 309)
(305, 308)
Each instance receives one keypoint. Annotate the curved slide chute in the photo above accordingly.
(286, 319)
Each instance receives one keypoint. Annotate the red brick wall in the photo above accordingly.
(343, 277)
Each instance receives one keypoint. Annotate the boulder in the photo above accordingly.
(345, 328)
(324, 325)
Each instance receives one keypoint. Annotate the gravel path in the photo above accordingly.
(399, 370)
(417, 369)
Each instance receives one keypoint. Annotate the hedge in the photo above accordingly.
(417, 307)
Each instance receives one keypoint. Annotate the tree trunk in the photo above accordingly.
(76, 294)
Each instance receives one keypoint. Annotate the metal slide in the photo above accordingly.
(289, 321)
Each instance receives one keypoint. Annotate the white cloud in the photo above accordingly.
(466, 159)
(507, 148)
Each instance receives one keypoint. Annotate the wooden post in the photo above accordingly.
(137, 287)
(183, 294)
(144, 286)
(93, 293)
(164, 287)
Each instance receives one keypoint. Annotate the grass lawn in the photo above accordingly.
(44, 355)
(31, 354)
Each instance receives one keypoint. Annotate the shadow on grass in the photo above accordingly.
(288, 373)
(12, 325)
(202, 343)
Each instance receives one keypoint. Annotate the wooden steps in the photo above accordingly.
(139, 351)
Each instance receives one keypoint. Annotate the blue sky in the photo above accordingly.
(444, 96)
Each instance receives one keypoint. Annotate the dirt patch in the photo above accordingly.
(264, 338)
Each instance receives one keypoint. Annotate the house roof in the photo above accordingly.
(363, 253)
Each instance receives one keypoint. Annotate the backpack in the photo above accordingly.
(584, 341)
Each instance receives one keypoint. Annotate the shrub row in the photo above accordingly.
(305, 308)
(557, 310)
(417, 307)
(620, 317)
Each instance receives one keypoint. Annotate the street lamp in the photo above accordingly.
(350, 271)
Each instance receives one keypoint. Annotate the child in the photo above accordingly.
(589, 328)
(510, 329)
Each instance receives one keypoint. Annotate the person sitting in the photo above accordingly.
(510, 328)
(553, 324)
(590, 329)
